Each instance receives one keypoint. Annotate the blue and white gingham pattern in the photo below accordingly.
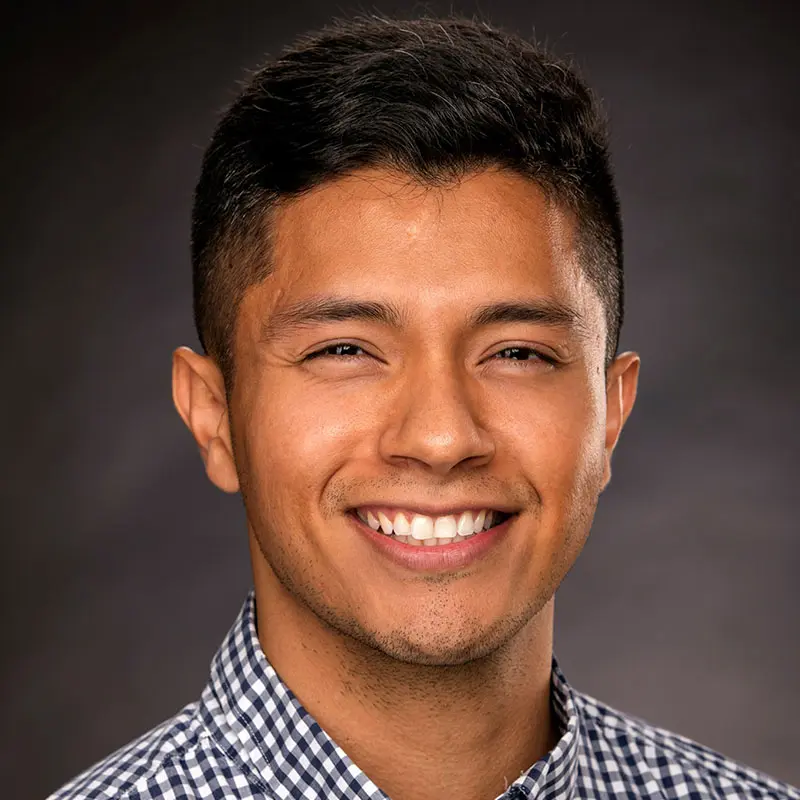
(248, 737)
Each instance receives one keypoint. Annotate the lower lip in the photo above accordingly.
(440, 557)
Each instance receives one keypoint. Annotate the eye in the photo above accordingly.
(344, 350)
(522, 354)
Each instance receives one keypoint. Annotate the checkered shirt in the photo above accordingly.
(248, 737)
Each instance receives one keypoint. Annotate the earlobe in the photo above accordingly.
(220, 466)
(621, 385)
(198, 392)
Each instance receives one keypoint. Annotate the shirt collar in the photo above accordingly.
(261, 724)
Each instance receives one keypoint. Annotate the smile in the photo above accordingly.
(413, 528)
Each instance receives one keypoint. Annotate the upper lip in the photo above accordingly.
(430, 510)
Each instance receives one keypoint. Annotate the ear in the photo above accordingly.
(198, 391)
(622, 378)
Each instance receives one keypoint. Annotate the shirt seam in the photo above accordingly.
(228, 750)
(142, 781)
(203, 734)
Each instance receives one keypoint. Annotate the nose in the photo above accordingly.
(434, 423)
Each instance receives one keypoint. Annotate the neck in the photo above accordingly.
(416, 731)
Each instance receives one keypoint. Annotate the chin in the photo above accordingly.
(440, 647)
(431, 655)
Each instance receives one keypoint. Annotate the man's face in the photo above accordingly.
(432, 353)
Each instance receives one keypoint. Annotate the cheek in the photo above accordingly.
(556, 432)
(301, 436)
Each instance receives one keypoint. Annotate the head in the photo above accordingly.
(408, 286)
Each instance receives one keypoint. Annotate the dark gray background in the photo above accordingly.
(123, 567)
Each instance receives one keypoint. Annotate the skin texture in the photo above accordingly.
(431, 682)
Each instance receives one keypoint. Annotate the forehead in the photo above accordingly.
(492, 233)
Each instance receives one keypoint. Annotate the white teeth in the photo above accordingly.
(401, 526)
(465, 524)
(386, 523)
(430, 530)
(421, 527)
(430, 542)
(445, 528)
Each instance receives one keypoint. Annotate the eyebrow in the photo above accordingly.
(321, 310)
(542, 311)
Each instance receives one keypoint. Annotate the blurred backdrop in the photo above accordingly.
(123, 568)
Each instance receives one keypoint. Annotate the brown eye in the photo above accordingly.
(338, 350)
(523, 356)
(519, 354)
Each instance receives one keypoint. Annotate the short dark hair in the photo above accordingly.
(433, 98)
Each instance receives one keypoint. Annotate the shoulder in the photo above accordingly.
(657, 763)
(147, 767)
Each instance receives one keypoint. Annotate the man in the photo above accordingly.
(408, 286)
